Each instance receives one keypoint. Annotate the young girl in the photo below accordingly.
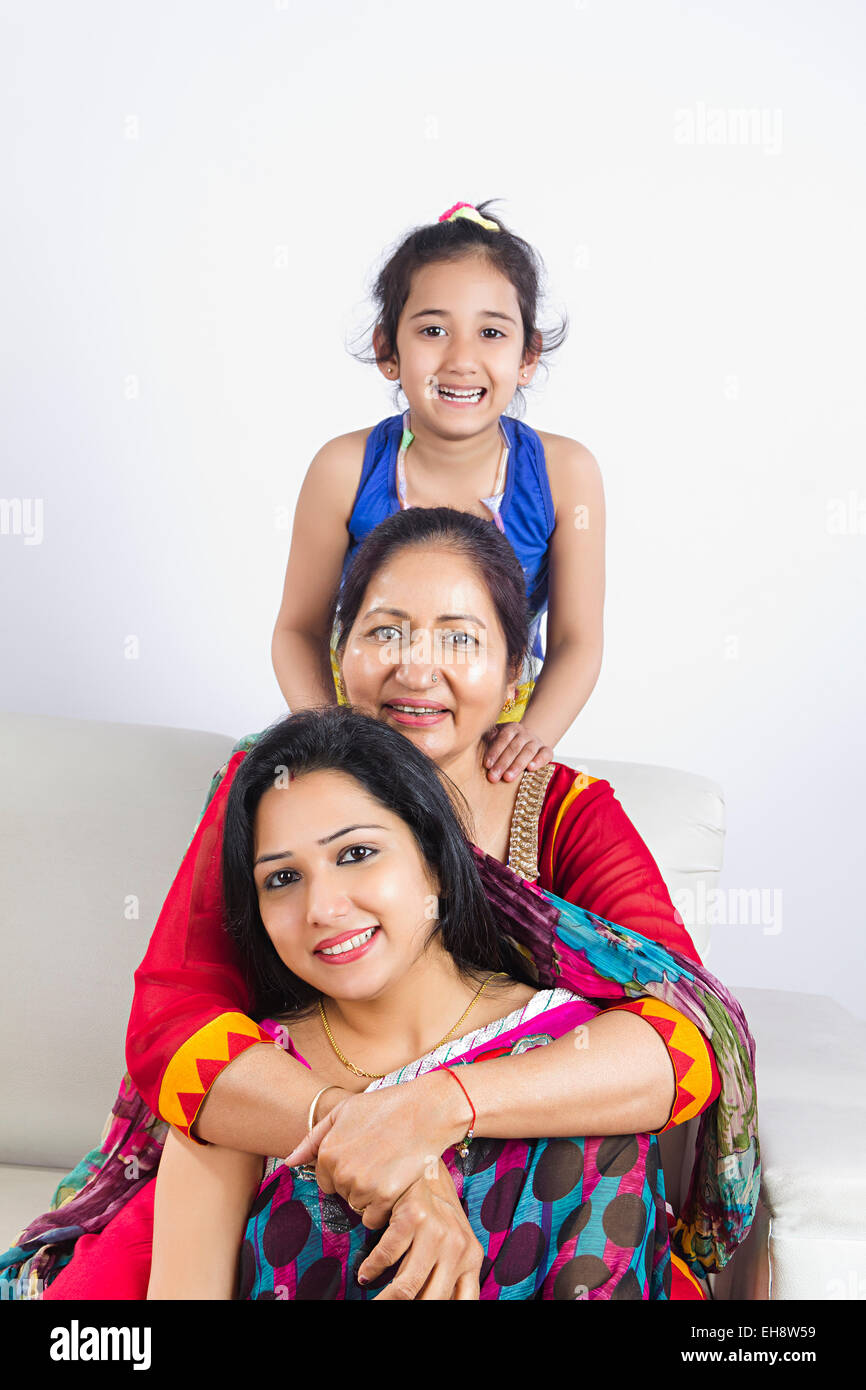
(370, 945)
(456, 329)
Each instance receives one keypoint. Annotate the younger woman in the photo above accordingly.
(369, 943)
(456, 328)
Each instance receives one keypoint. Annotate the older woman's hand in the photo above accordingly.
(440, 1255)
(513, 748)
(371, 1147)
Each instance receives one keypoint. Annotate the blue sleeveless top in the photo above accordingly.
(527, 511)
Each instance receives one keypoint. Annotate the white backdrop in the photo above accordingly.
(197, 195)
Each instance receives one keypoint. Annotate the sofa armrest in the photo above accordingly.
(809, 1239)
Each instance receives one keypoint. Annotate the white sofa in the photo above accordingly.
(94, 821)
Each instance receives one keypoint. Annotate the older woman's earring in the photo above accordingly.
(508, 706)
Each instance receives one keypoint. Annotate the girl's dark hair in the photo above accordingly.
(467, 535)
(403, 780)
(513, 257)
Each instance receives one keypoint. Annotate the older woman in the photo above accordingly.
(433, 632)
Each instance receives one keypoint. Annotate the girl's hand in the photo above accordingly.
(512, 749)
(372, 1147)
(440, 1255)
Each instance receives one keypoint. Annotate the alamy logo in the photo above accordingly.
(76, 1343)
(22, 516)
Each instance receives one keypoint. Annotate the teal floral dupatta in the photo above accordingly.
(604, 963)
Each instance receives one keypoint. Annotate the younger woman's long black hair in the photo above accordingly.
(403, 780)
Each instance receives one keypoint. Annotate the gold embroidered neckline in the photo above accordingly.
(523, 840)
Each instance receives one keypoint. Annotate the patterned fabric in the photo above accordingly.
(695, 1072)
(581, 951)
(198, 1061)
(88, 1199)
(561, 1219)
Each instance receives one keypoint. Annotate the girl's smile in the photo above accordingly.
(459, 399)
(459, 353)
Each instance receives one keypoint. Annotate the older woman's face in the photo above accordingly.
(428, 610)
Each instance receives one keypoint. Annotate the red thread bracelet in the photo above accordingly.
(463, 1146)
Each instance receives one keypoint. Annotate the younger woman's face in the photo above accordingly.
(344, 892)
(429, 612)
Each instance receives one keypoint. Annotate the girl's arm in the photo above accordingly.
(575, 611)
(301, 642)
(201, 1204)
(575, 616)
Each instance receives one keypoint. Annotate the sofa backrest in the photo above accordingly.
(681, 818)
(94, 821)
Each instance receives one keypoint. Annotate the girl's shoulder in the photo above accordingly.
(345, 452)
(571, 468)
(561, 447)
(334, 474)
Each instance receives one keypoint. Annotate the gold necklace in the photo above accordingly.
(378, 1075)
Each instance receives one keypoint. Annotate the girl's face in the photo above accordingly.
(344, 892)
(426, 610)
(461, 327)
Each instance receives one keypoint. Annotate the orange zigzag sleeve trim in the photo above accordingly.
(199, 1061)
(697, 1078)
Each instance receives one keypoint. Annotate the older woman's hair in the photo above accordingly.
(404, 781)
(475, 539)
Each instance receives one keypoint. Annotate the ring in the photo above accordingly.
(359, 1211)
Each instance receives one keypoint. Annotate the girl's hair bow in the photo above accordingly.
(467, 210)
